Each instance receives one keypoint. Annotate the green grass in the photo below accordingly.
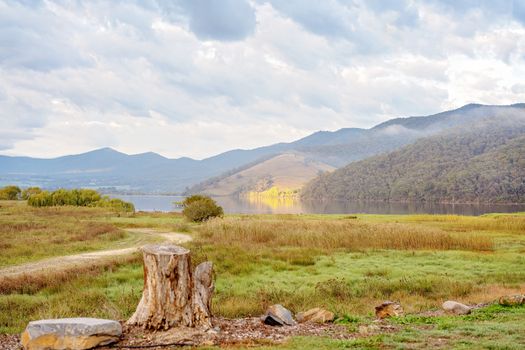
(112, 292)
(493, 327)
(295, 260)
(352, 282)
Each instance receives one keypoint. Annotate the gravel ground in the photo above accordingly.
(245, 331)
(10, 342)
(250, 330)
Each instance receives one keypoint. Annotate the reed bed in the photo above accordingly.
(514, 223)
(338, 234)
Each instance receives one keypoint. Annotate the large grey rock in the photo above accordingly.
(278, 315)
(454, 307)
(70, 333)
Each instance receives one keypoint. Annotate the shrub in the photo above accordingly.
(30, 191)
(115, 203)
(199, 208)
(42, 199)
(78, 198)
(10, 193)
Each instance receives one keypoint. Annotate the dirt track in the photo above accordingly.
(83, 259)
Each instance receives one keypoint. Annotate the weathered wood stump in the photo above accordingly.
(173, 296)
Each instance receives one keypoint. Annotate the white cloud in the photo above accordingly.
(184, 79)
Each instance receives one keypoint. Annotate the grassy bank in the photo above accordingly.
(347, 264)
(30, 234)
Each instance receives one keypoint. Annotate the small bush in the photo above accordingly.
(10, 193)
(30, 191)
(199, 208)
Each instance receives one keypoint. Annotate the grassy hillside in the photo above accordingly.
(483, 164)
(285, 171)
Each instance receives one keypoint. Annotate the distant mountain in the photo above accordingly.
(481, 163)
(399, 132)
(151, 173)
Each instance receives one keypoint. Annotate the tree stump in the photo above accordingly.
(172, 295)
(202, 291)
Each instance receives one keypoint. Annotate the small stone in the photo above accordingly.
(70, 333)
(317, 315)
(453, 307)
(512, 300)
(278, 315)
(389, 309)
(215, 330)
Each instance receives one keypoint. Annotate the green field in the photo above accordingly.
(347, 264)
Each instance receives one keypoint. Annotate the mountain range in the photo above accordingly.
(289, 165)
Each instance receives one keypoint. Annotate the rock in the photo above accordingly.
(70, 333)
(278, 315)
(456, 308)
(317, 315)
(389, 309)
(512, 300)
(214, 330)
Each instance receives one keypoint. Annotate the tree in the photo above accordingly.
(200, 208)
(10, 193)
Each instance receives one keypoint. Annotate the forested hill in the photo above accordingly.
(483, 164)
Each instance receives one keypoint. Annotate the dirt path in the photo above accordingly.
(83, 259)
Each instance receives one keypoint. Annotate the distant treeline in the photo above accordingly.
(37, 197)
(483, 164)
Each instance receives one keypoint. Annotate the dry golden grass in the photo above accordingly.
(514, 223)
(337, 234)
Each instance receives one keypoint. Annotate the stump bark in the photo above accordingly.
(173, 296)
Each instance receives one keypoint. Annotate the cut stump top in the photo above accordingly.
(165, 249)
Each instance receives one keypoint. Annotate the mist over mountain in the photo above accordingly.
(151, 173)
(480, 163)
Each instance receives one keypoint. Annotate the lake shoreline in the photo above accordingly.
(265, 205)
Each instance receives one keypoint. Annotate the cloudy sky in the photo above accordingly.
(198, 77)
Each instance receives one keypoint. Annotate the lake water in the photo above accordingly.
(235, 205)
